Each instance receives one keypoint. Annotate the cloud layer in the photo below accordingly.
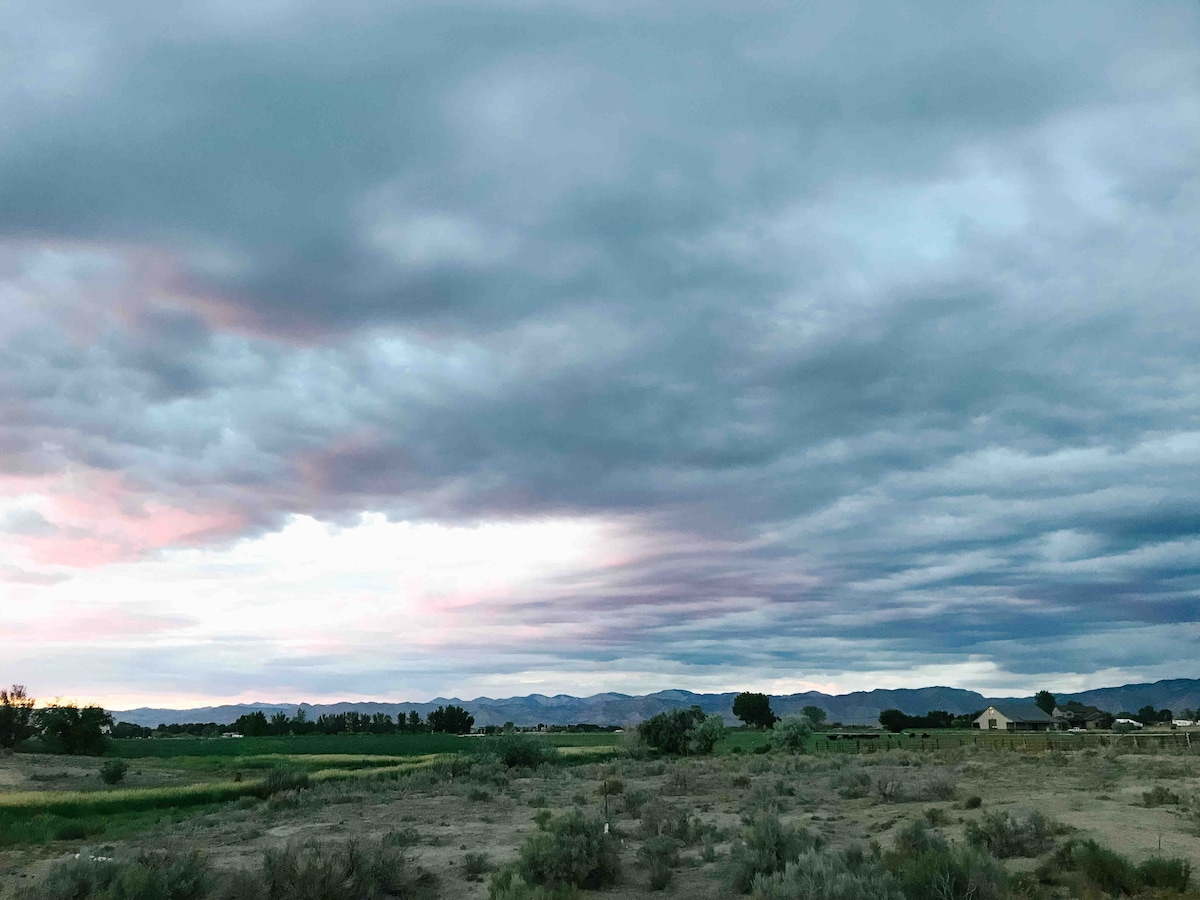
(829, 346)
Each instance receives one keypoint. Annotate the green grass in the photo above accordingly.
(358, 745)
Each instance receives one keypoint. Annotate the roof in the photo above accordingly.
(1019, 712)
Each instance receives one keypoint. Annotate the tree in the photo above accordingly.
(1044, 700)
(671, 731)
(414, 723)
(65, 728)
(791, 733)
(16, 716)
(893, 720)
(253, 724)
(754, 709)
(280, 723)
(704, 736)
(814, 714)
(1147, 715)
(451, 720)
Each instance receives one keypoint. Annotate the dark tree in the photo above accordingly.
(754, 709)
(1147, 715)
(16, 716)
(280, 723)
(893, 720)
(1045, 701)
(814, 714)
(670, 731)
(69, 729)
(451, 720)
(414, 723)
(253, 724)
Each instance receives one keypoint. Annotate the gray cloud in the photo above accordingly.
(897, 307)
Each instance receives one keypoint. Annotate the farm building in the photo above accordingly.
(1015, 717)
(1076, 715)
(1130, 723)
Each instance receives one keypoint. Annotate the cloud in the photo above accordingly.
(874, 328)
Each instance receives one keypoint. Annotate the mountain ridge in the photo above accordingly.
(854, 708)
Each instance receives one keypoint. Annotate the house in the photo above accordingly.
(1015, 717)
(1076, 715)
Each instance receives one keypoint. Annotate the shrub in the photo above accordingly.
(1017, 832)
(521, 752)
(1106, 869)
(928, 868)
(542, 818)
(1167, 874)
(659, 856)
(704, 736)
(476, 865)
(678, 731)
(113, 771)
(279, 780)
(344, 871)
(150, 875)
(478, 795)
(936, 816)
(853, 785)
(574, 851)
(791, 733)
(829, 876)
(610, 787)
(768, 847)
(634, 801)
(973, 803)
(507, 884)
(1160, 796)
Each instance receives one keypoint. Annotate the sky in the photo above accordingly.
(393, 351)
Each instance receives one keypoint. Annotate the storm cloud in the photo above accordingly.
(840, 345)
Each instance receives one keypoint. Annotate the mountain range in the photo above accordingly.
(857, 708)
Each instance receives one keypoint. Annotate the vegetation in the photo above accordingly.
(16, 715)
(573, 851)
(754, 709)
(791, 733)
(65, 728)
(680, 732)
(895, 721)
(1044, 700)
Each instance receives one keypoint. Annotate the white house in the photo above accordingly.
(1015, 717)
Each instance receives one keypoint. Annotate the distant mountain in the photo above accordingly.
(858, 708)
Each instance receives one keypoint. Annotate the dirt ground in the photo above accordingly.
(846, 799)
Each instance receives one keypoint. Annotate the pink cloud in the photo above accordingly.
(102, 518)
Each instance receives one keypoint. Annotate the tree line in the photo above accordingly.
(60, 727)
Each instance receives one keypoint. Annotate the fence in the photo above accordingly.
(1176, 742)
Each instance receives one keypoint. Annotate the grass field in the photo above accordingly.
(460, 814)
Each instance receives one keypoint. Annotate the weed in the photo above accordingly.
(768, 847)
(660, 857)
(475, 865)
(1016, 832)
(850, 875)
(1160, 796)
(113, 771)
(573, 851)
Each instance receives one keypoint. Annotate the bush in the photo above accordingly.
(476, 865)
(1169, 874)
(791, 733)
(853, 785)
(113, 771)
(768, 847)
(1017, 832)
(659, 856)
(574, 851)
(353, 870)
(1160, 796)
(928, 868)
(279, 780)
(973, 803)
(829, 876)
(1104, 868)
(633, 802)
(671, 731)
(521, 752)
(148, 876)
(507, 884)
(704, 736)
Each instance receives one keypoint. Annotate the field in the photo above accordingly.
(456, 811)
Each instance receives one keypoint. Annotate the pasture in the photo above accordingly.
(455, 810)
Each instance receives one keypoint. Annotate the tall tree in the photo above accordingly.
(16, 716)
(815, 714)
(754, 709)
(66, 728)
(1045, 701)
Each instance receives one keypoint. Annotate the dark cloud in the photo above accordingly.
(890, 312)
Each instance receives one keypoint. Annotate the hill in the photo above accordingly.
(859, 707)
